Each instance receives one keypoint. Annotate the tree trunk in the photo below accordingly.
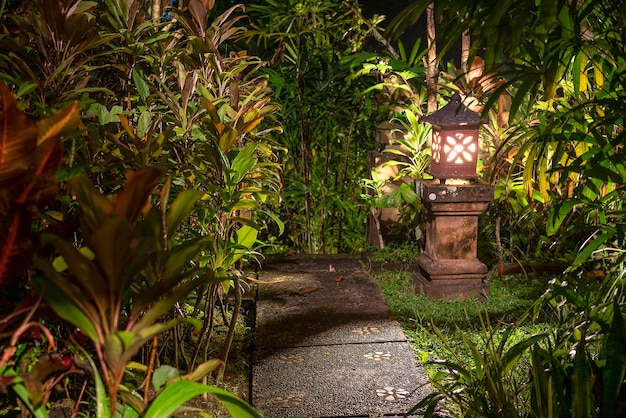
(156, 9)
(431, 59)
(465, 50)
(305, 137)
(379, 233)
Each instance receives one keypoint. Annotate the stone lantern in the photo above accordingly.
(455, 141)
(449, 268)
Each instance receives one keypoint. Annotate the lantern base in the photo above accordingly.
(449, 267)
(450, 279)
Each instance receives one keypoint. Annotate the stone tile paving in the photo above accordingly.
(326, 344)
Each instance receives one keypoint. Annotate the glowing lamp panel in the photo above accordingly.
(435, 149)
(459, 148)
(454, 153)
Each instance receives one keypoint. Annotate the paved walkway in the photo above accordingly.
(326, 344)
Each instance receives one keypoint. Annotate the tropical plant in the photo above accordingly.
(49, 53)
(574, 369)
(127, 274)
(376, 198)
(558, 170)
(153, 93)
(30, 153)
(581, 372)
(490, 381)
(411, 147)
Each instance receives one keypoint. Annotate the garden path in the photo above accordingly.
(326, 344)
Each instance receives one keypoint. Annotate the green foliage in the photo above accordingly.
(177, 393)
(396, 253)
(52, 53)
(491, 381)
(554, 138)
(151, 94)
(553, 146)
(411, 149)
(118, 295)
(551, 353)
(308, 45)
(581, 373)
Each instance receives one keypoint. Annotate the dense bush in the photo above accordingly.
(143, 194)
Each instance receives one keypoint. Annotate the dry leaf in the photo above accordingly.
(309, 289)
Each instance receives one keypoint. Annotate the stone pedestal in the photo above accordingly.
(448, 267)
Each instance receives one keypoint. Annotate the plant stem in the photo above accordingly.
(153, 351)
(231, 329)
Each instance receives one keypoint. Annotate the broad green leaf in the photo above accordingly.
(557, 216)
(603, 174)
(141, 84)
(164, 305)
(114, 348)
(244, 204)
(162, 375)
(180, 257)
(243, 162)
(25, 88)
(579, 75)
(519, 97)
(407, 193)
(132, 404)
(102, 400)
(181, 208)
(587, 251)
(176, 394)
(513, 354)
(144, 124)
(38, 412)
(244, 237)
(63, 304)
(65, 174)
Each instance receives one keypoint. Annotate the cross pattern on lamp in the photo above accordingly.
(459, 149)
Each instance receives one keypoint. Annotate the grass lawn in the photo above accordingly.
(435, 328)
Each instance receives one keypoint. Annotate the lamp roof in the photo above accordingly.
(455, 113)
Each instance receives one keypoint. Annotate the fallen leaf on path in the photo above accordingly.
(339, 279)
(309, 289)
(253, 280)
